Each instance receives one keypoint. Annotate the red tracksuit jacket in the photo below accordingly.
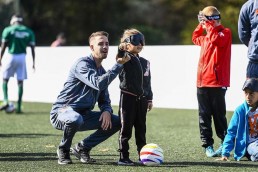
(215, 56)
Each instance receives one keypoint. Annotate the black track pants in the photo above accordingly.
(212, 104)
(132, 113)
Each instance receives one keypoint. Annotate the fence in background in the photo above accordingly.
(173, 70)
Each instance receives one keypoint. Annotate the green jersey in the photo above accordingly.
(18, 38)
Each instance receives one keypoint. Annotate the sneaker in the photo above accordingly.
(63, 156)
(125, 161)
(82, 154)
(209, 151)
(218, 152)
(19, 109)
(139, 162)
(254, 157)
(3, 106)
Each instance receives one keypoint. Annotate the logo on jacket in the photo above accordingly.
(147, 70)
(221, 34)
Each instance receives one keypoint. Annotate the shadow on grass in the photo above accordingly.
(26, 135)
(215, 164)
(36, 113)
(96, 155)
(191, 164)
(27, 113)
(184, 164)
(27, 156)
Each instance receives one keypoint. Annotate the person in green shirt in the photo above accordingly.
(16, 37)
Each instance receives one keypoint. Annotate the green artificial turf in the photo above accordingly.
(28, 142)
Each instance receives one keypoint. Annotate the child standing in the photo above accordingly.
(136, 94)
(242, 132)
(213, 76)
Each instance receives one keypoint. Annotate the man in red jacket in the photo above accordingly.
(213, 76)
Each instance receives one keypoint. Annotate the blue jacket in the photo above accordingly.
(247, 28)
(86, 84)
(237, 133)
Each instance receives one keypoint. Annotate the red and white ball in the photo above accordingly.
(151, 155)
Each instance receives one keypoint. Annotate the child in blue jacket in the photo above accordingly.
(242, 132)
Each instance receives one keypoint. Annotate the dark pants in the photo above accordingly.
(252, 70)
(212, 104)
(132, 112)
(71, 122)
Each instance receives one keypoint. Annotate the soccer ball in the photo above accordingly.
(151, 155)
(10, 108)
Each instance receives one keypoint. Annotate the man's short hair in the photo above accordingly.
(98, 33)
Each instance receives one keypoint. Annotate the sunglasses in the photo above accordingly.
(136, 39)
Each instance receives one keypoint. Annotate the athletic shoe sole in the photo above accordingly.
(124, 163)
(78, 156)
(61, 162)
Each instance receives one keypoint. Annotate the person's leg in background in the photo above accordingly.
(5, 93)
(20, 93)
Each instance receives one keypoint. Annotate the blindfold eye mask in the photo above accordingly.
(136, 39)
(215, 17)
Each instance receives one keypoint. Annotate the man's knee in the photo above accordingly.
(71, 118)
(75, 120)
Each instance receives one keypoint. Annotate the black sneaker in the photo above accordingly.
(139, 162)
(125, 161)
(3, 106)
(63, 156)
(82, 154)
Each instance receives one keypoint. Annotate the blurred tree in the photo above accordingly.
(77, 19)
(163, 22)
(229, 16)
(6, 11)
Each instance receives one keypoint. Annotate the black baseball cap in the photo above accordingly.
(252, 84)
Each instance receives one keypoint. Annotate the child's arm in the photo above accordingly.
(229, 141)
(148, 89)
(197, 36)
(218, 36)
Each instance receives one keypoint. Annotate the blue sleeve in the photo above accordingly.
(104, 102)
(244, 24)
(229, 141)
(87, 73)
